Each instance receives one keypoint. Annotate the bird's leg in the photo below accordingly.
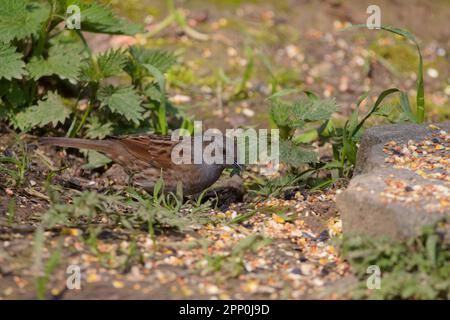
(130, 179)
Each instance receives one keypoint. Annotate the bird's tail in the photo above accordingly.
(104, 146)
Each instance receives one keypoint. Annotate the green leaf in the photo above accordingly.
(4, 87)
(95, 159)
(362, 97)
(289, 116)
(162, 117)
(311, 95)
(349, 150)
(352, 123)
(42, 281)
(16, 96)
(157, 58)
(152, 92)
(63, 61)
(404, 104)
(159, 186)
(122, 100)
(282, 93)
(98, 130)
(61, 6)
(377, 103)
(280, 113)
(100, 18)
(110, 63)
(314, 110)
(306, 137)
(11, 64)
(250, 243)
(296, 155)
(51, 110)
(243, 217)
(20, 19)
(431, 248)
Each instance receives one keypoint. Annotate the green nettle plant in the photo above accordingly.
(292, 116)
(49, 76)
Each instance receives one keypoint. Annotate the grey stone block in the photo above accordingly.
(362, 208)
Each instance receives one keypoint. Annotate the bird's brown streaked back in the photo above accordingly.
(145, 158)
(105, 146)
(153, 150)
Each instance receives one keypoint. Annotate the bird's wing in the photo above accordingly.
(152, 149)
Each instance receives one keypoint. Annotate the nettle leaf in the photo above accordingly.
(20, 19)
(4, 87)
(110, 63)
(51, 110)
(100, 18)
(98, 130)
(153, 92)
(61, 6)
(63, 61)
(16, 96)
(314, 110)
(122, 100)
(95, 159)
(296, 155)
(11, 64)
(4, 112)
(280, 112)
(159, 59)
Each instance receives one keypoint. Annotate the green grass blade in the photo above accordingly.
(50, 266)
(9, 160)
(362, 98)
(282, 93)
(311, 95)
(420, 92)
(406, 108)
(248, 70)
(243, 217)
(420, 98)
(162, 119)
(380, 99)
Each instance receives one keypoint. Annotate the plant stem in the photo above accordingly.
(161, 26)
(43, 34)
(89, 108)
(71, 133)
(94, 85)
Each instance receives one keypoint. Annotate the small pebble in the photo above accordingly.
(408, 189)
(289, 195)
(323, 236)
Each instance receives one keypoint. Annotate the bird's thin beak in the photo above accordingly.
(238, 168)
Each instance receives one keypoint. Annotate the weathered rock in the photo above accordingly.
(364, 207)
(370, 153)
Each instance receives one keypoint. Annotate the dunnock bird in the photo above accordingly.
(148, 157)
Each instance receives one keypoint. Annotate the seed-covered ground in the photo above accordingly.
(429, 158)
(261, 246)
(264, 247)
